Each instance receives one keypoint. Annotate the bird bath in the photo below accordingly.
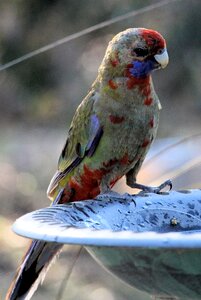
(150, 241)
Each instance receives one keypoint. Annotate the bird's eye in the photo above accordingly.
(160, 51)
(140, 51)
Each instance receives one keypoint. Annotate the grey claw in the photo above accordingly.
(168, 183)
(163, 185)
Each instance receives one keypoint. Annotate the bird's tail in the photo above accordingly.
(32, 270)
(34, 266)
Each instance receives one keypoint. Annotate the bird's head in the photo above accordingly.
(137, 50)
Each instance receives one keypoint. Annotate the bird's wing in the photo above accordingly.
(83, 138)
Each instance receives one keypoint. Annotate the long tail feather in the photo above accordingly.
(32, 270)
(34, 266)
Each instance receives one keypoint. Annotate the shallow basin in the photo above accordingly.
(150, 241)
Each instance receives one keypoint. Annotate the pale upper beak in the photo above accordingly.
(162, 58)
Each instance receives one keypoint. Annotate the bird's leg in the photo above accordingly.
(130, 181)
(152, 189)
(105, 187)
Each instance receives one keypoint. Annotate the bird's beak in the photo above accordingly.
(162, 58)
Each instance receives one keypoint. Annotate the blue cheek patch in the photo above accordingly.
(141, 68)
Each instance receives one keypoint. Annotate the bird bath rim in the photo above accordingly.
(120, 221)
(107, 238)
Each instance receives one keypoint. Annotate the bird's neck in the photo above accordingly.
(118, 82)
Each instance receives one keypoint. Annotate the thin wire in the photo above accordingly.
(84, 32)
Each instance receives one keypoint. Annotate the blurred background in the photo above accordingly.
(38, 98)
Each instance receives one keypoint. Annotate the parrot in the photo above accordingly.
(109, 136)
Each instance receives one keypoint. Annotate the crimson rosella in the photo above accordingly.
(109, 136)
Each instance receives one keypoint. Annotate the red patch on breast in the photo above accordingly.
(143, 84)
(124, 160)
(110, 163)
(88, 185)
(112, 84)
(114, 62)
(116, 119)
(146, 90)
(145, 143)
(66, 196)
(151, 123)
(148, 101)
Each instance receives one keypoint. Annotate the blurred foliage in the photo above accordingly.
(39, 96)
(46, 89)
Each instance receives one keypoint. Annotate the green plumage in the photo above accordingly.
(124, 106)
(109, 137)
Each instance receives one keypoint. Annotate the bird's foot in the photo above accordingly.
(150, 189)
(106, 190)
(110, 193)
